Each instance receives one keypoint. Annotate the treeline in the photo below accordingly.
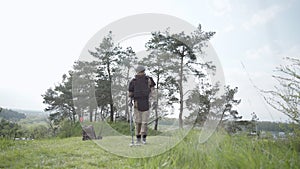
(97, 90)
(11, 115)
(275, 126)
(9, 129)
(12, 128)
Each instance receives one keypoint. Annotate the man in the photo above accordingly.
(141, 89)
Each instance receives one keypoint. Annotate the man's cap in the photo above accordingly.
(139, 68)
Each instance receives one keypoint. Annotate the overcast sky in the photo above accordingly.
(40, 40)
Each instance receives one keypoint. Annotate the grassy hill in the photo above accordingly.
(220, 151)
(33, 118)
(11, 115)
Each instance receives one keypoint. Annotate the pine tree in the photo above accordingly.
(184, 49)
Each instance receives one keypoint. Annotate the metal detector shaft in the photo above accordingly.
(131, 119)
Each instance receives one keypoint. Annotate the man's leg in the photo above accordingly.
(138, 122)
(144, 126)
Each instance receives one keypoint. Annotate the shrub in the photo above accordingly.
(69, 129)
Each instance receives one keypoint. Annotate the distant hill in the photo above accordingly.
(11, 115)
(32, 112)
(25, 117)
(33, 117)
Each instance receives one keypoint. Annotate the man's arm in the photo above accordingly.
(131, 88)
(152, 89)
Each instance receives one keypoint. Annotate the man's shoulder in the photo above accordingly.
(148, 77)
(132, 80)
(145, 77)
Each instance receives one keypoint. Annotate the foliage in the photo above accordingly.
(159, 65)
(184, 49)
(69, 129)
(107, 55)
(275, 126)
(111, 67)
(229, 103)
(34, 120)
(31, 127)
(200, 103)
(286, 97)
(11, 115)
(75, 86)
(295, 138)
(39, 132)
(60, 101)
(121, 81)
(206, 104)
(9, 130)
(83, 88)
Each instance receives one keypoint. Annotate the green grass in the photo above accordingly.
(56, 153)
(220, 151)
(120, 128)
(120, 145)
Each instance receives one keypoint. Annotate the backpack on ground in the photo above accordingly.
(88, 133)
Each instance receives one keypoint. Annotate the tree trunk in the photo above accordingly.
(111, 112)
(91, 114)
(156, 108)
(126, 97)
(74, 116)
(95, 117)
(181, 92)
(101, 113)
(110, 94)
(222, 116)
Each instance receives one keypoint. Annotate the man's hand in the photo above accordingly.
(130, 102)
(154, 105)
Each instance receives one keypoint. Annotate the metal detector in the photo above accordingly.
(131, 125)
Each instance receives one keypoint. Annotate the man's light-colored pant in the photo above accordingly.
(141, 120)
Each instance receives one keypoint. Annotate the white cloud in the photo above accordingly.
(262, 52)
(221, 7)
(263, 16)
(249, 80)
(272, 53)
(294, 51)
(265, 52)
(256, 70)
(261, 62)
(229, 28)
